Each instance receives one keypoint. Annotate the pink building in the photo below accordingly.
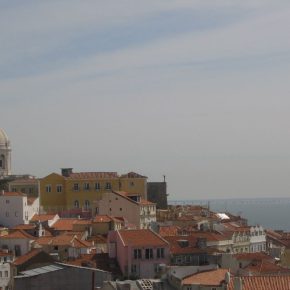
(138, 252)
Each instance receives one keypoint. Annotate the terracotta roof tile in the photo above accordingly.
(280, 282)
(24, 258)
(209, 278)
(102, 219)
(18, 234)
(132, 175)
(12, 193)
(67, 224)
(93, 175)
(168, 231)
(24, 227)
(142, 237)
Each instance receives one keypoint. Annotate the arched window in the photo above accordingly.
(76, 204)
(87, 204)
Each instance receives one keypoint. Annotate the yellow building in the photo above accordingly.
(70, 190)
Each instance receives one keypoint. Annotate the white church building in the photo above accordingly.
(5, 154)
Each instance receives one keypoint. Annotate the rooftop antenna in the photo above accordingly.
(164, 178)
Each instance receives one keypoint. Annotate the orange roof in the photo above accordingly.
(43, 217)
(12, 193)
(259, 256)
(264, 267)
(209, 278)
(102, 219)
(168, 230)
(24, 258)
(67, 224)
(133, 175)
(141, 238)
(24, 227)
(18, 234)
(63, 240)
(24, 181)
(280, 282)
(92, 175)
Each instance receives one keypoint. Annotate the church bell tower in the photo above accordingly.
(5, 154)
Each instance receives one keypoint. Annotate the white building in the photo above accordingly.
(16, 208)
(18, 242)
(5, 269)
(257, 239)
(5, 154)
(133, 207)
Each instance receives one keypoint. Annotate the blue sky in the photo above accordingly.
(196, 90)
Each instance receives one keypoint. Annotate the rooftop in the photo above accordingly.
(141, 238)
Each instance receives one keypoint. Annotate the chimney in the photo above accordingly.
(66, 172)
(238, 283)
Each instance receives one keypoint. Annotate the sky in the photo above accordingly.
(194, 90)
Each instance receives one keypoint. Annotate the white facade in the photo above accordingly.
(5, 269)
(5, 154)
(257, 239)
(16, 208)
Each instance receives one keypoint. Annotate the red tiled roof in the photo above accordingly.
(67, 224)
(264, 267)
(141, 238)
(259, 256)
(92, 175)
(18, 234)
(24, 258)
(280, 282)
(132, 175)
(12, 193)
(33, 181)
(168, 231)
(24, 227)
(208, 278)
(102, 219)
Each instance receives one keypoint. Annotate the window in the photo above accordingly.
(110, 209)
(7, 214)
(59, 188)
(16, 214)
(14, 189)
(55, 248)
(6, 274)
(120, 209)
(48, 188)
(149, 254)
(76, 204)
(160, 253)
(97, 186)
(131, 183)
(108, 185)
(30, 190)
(7, 200)
(134, 269)
(23, 190)
(137, 254)
(87, 204)
(86, 186)
(76, 187)
(0, 274)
